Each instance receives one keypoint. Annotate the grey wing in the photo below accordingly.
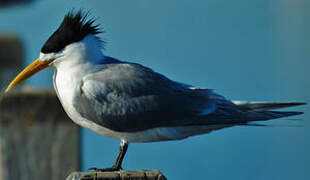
(129, 97)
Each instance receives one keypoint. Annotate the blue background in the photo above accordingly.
(245, 50)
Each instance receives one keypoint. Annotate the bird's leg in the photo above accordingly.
(122, 151)
(117, 166)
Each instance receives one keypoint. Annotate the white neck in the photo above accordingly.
(93, 49)
(72, 64)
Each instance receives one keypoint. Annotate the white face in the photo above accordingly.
(86, 50)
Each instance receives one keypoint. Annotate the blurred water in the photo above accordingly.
(247, 50)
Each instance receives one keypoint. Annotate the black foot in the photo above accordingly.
(113, 168)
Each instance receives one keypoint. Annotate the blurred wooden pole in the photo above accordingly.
(11, 58)
(37, 139)
(119, 175)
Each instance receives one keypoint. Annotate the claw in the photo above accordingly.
(93, 169)
(113, 168)
(118, 163)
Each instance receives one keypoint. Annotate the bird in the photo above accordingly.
(131, 102)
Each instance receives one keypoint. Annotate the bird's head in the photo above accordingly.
(75, 40)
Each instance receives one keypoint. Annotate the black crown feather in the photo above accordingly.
(73, 28)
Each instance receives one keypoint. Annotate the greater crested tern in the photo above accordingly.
(128, 101)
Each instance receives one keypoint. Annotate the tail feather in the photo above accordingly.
(267, 115)
(260, 111)
(266, 105)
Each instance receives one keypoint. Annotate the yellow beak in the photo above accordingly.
(32, 69)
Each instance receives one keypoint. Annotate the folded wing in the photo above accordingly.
(129, 97)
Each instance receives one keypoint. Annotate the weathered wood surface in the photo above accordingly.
(37, 139)
(119, 175)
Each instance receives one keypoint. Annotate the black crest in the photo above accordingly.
(73, 28)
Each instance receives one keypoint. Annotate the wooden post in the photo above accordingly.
(37, 139)
(118, 175)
